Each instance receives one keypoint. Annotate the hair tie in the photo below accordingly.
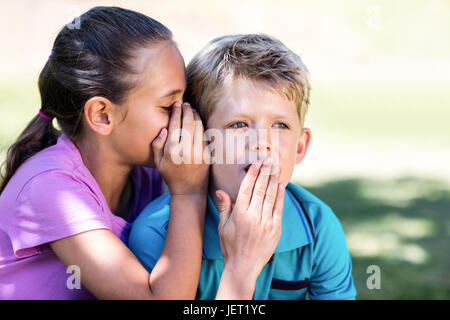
(43, 115)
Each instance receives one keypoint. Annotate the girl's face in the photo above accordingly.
(147, 109)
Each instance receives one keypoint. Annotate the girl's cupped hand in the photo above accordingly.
(179, 152)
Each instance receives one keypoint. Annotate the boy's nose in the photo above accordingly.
(260, 147)
(262, 140)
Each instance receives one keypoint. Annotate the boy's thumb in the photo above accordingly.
(224, 205)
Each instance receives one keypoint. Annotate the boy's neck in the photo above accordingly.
(212, 192)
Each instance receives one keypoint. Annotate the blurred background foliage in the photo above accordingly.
(379, 113)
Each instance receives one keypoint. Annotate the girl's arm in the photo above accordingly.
(109, 270)
(176, 274)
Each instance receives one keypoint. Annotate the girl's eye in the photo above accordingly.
(281, 125)
(238, 125)
(167, 109)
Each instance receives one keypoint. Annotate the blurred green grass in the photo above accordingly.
(19, 102)
(410, 113)
(402, 226)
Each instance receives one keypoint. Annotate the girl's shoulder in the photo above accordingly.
(51, 196)
(52, 167)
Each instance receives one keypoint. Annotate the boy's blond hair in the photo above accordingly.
(253, 56)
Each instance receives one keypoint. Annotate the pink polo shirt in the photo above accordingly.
(53, 196)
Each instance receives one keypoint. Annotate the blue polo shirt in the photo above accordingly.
(311, 256)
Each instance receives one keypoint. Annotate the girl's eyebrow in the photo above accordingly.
(171, 93)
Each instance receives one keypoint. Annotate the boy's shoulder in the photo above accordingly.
(304, 195)
(317, 211)
(157, 209)
(331, 264)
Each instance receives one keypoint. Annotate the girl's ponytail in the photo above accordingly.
(39, 134)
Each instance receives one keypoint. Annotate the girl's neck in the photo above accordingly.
(112, 177)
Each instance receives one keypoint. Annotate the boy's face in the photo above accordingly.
(254, 122)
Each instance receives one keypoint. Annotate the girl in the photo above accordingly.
(115, 84)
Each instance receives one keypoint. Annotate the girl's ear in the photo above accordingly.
(303, 144)
(98, 115)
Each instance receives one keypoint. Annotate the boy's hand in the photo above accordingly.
(249, 232)
(180, 159)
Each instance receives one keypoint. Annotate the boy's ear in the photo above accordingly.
(98, 115)
(302, 145)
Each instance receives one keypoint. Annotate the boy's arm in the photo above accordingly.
(332, 267)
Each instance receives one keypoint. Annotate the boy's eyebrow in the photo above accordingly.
(238, 115)
(247, 115)
(171, 93)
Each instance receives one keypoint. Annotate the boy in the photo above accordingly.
(253, 83)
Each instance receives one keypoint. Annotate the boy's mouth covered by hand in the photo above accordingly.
(271, 159)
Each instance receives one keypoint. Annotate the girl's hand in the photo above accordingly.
(249, 232)
(178, 152)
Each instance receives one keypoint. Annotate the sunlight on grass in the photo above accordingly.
(401, 225)
(399, 194)
(412, 228)
(385, 245)
(387, 237)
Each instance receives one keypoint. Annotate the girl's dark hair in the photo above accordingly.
(90, 57)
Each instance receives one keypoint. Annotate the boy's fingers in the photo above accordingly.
(271, 195)
(260, 189)
(246, 188)
(278, 207)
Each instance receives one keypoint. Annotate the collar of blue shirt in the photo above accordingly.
(296, 230)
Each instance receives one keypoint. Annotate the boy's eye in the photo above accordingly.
(281, 125)
(238, 125)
